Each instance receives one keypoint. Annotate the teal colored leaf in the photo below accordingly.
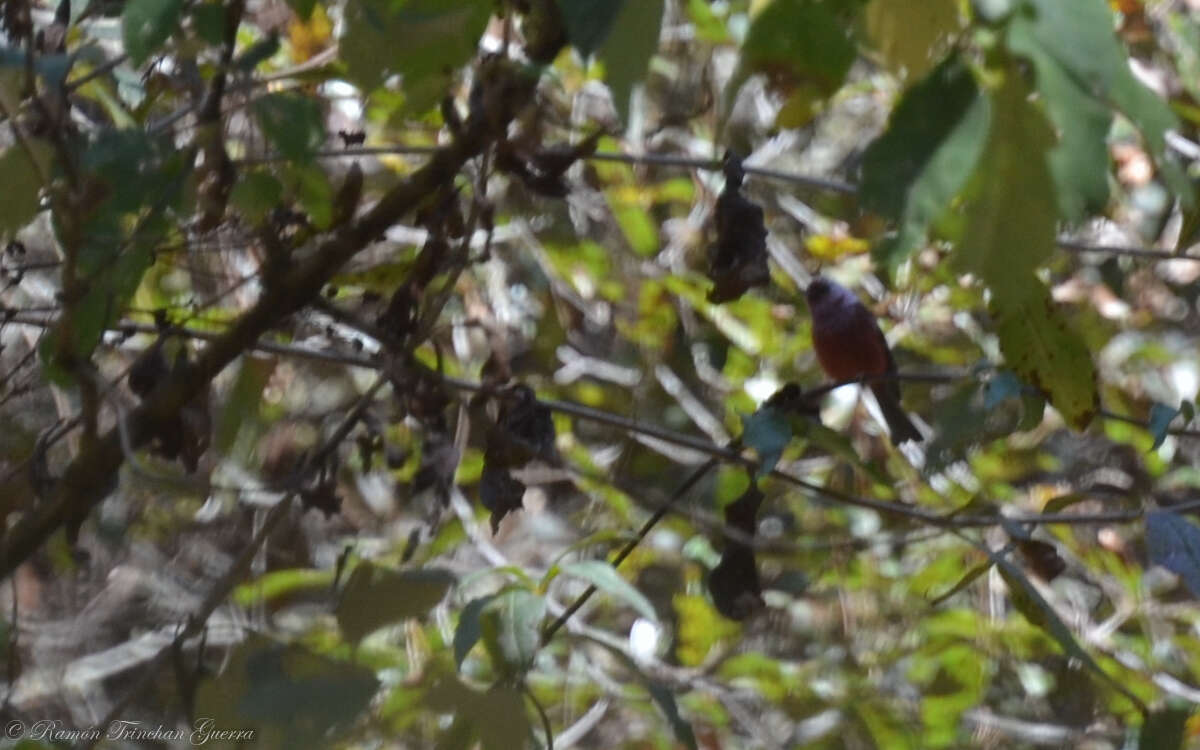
(469, 629)
(1173, 542)
(375, 597)
(146, 24)
(1164, 728)
(1161, 417)
(420, 40)
(292, 122)
(606, 578)
(1001, 387)
(922, 161)
(768, 432)
(510, 630)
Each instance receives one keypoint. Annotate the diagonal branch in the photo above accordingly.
(76, 492)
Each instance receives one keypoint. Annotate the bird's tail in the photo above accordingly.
(899, 425)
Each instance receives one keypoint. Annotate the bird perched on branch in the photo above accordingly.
(850, 345)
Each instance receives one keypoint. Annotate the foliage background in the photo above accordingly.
(269, 389)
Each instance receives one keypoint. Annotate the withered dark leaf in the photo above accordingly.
(734, 583)
(500, 493)
(557, 159)
(1042, 558)
(738, 260)
(401, 313)
(524, 431)
(792, 399)
(149, 369)
(323, 497)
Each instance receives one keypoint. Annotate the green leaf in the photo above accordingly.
(1173, 542)
(1078, 34)
(1080, 162)
(1040, 346)
(22, 183)
(469, 629)
(910, 35)
(309, 184)
(209, 21)
(802, 43)
(1161, 417)
(285, 694)
(146, 24)
(510, 625)
(627, 50)
(420, 40)
(292, 122)
(665, 700)
(589, 22)
(255, 194)
(768, 432)
(606, 578)
(375, 597)
(967, 579)
(497, 715)
(922, 161)
(1012, 215)
(709, 27)
(243, 400)
(281, 583)
(303, 8)
(1164, 728)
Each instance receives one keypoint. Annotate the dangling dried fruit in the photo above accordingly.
(734, 583)
(500, 493)
(738, 260)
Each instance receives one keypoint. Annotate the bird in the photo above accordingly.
(849, 344)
